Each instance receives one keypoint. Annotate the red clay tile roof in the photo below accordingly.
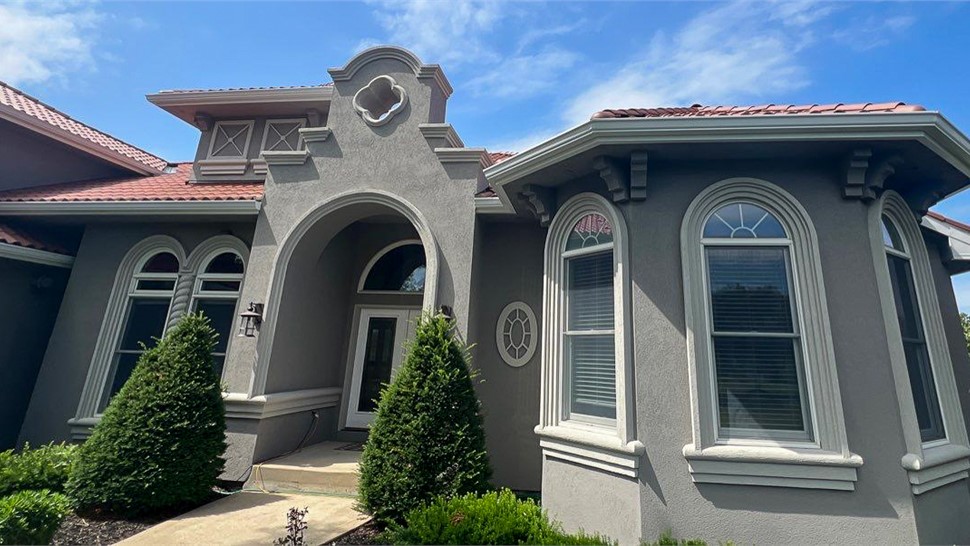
(19, 237)
(498, 157)
(946, 220)
(14, 99)
(696, 110)
(174, 186)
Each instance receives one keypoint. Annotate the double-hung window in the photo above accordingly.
(146, 314)
(753, 320)
(216, 296)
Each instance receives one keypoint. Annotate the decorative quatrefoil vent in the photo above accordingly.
(516, 334)
(380, 100)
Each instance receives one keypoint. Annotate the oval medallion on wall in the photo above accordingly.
(516, 334)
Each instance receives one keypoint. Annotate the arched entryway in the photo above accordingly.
(348, 282)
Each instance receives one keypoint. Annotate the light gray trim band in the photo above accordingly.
(240, 406)
(33, 255)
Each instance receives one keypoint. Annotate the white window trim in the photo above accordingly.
(299, 140)
(614, 447)
(376, 258)
(200, 258)
(215, 130)
(113, 321)
(933, 464)
(824, 463)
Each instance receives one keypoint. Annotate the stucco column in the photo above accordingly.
(182, 297)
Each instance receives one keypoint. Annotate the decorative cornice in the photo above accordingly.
(638, 175)
(441, 131)
(163, 208)
(33, 255)
(876, 176)
(490, 205)
(541, 201)
(285, 157)
(422, 71)
(616, 176)
(315, 134)
(240, 406)
(464, 155)
(213, 167)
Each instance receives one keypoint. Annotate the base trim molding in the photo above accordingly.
(240, 406)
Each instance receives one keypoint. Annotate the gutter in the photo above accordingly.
(163, 208)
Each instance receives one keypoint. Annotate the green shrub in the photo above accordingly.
(493, 518)
(160, 441)
(667, 539)
(427, 439)
(31, 517)
(46, 467)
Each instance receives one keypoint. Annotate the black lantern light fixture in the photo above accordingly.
(252, 317)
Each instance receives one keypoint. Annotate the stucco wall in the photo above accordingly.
(31, 297)
(509, 268)
(69, 351)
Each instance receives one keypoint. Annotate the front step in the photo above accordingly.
(327, 467)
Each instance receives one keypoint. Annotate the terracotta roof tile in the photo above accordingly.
(173, 186)
(20, 237)
(14, 99)
(498, 157)
(947, 220)
(696, 110)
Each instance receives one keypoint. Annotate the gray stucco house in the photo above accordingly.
(731, 322)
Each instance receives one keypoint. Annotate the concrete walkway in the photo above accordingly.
(254, 518)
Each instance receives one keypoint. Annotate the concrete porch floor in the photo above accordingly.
(327, 467)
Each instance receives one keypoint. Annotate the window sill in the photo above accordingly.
(602, 451)
(938, 466)
(773, 467)
(81, 427)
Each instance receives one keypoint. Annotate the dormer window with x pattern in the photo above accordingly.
(282, 135)
(230, 138)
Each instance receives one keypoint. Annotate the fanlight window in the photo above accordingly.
(928, 413)
(400, 269)
(146, 314)
(589, 334)
(216, 296)
(754, 332)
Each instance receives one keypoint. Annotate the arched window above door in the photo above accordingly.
(399, 267)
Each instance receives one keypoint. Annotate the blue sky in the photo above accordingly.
(522, 71)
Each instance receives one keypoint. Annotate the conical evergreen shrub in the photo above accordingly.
(427, 439)
(160, 442)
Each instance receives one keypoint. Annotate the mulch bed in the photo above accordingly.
(365, 534)
(100, 531)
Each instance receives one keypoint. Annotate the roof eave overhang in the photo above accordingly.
(958, 241)
(40, 127)
(34, 255)
(929, 128)
(178, 103)
(240, 207)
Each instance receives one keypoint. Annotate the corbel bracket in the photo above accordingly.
(541, 201)
(203, 121)
(638, 175)
(616, 176)
(865, 177)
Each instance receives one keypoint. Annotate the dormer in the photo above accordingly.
(238, 125)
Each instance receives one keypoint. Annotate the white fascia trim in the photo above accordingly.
(240, 405)
(959, 240)
(599, 451)
(165, 208)
(929, 128)
(165, 99)
(772, 467)
(36, 256)
(491, 205)
(937, 467)
(74, 141)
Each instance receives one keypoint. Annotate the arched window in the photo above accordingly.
(933, 426)
(587, 374)
(216, 295)
(761, 361)
(146, 314)
(400, 267)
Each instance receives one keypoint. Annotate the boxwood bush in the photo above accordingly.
(31, 517)
(493, 518)
(46, 467)
(160, 441)
(427, 438)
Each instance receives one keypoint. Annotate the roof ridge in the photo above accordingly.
(71, 118)
(767, 109)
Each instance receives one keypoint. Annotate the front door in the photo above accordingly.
(378, 353)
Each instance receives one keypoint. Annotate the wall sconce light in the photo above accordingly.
(447, 311)
(252, 317)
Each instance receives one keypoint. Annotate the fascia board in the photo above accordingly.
(165, 208)
(36, 256)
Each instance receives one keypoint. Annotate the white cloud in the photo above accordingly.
(874, 32)
(736, 51)
(41, 41)
(523, 76)
(446, 32)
